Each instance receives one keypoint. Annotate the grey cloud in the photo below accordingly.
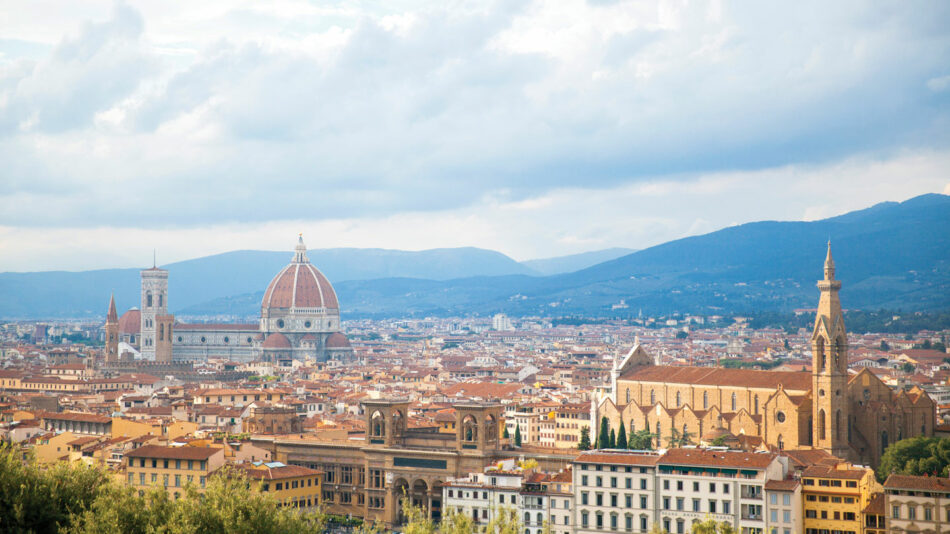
(82, 76)
(439, 117)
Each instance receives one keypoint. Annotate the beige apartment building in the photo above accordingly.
(917, 504)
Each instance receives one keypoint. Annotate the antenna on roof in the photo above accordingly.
(153, 258)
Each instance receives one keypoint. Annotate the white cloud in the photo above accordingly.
(171, 118)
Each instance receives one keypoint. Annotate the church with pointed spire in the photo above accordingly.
(847, 413)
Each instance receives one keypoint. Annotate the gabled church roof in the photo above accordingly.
(717, 376)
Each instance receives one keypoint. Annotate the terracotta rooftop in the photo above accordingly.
(263, 472)
(917, 483)
(717, 458)
(718, 376)
(825, 471)
(618, 457)
(175, 453)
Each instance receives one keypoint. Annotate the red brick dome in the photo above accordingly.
(276, 341)
(130, 322)
(337, 341)
(300, 285)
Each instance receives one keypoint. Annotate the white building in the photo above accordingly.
(497, 489)
(615, 491)
(501, 323)
(784, 506)
(630, 491)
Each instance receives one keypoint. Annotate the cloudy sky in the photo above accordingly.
(532, 128)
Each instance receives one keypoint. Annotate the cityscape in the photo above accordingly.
(463, 268)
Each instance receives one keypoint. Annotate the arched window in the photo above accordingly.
(838, 425)
(705, 400)
(883, 441)
(527, 517)
(658, 434)
(820, 353)
(540, 518)
(633, 426)
(781, 442)
(161, 300)
(821, 424)
(628, 395)
(733, 402)
(652, 397)
(148, 299)
(756, 404)
(161, 332)
(678, 402)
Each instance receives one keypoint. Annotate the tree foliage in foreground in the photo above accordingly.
(919, 456)
(78, 499)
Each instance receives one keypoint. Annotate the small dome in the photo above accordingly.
(130, 322)
(300, 285)
(276, 341)
(338, 341)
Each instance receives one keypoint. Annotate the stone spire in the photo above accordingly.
(300, 251)
(829, 264)
(829, 339)
(112, 317)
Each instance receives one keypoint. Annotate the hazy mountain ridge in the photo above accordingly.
(891, 255)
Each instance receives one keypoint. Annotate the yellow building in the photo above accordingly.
(172, 467)
(291, 485)
(834, 498)
(570, 420)
(53, 447)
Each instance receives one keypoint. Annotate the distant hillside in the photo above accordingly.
(575, 262)
(892, 255)
(86, 294)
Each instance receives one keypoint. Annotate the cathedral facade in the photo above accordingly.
(853, 416)
(300, 319)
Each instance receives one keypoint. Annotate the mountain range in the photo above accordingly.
(891, 255)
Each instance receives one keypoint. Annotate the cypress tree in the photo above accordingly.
(612, 444)
(604, 438)
(584, 444)
(621, 437)
(518, 436)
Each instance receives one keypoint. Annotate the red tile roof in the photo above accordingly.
(717, 376)
(717, 458)
(917, 483)
(174, 453)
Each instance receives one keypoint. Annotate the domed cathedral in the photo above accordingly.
(854, 416)
(300, 314)
(300, 319)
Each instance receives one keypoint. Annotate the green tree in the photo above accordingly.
(642, 440)
(884, 346)
(612, 440)
(457, 523)
(621, 436)
(682, 335)
(711, 526)
(603, 439)
(584, 443)
(417, 521)
(908, 368)
(43, 500)
(229, 504)
(657, 529)
(921, 456)
(505, 434)
(517, 435)
(504, 521)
